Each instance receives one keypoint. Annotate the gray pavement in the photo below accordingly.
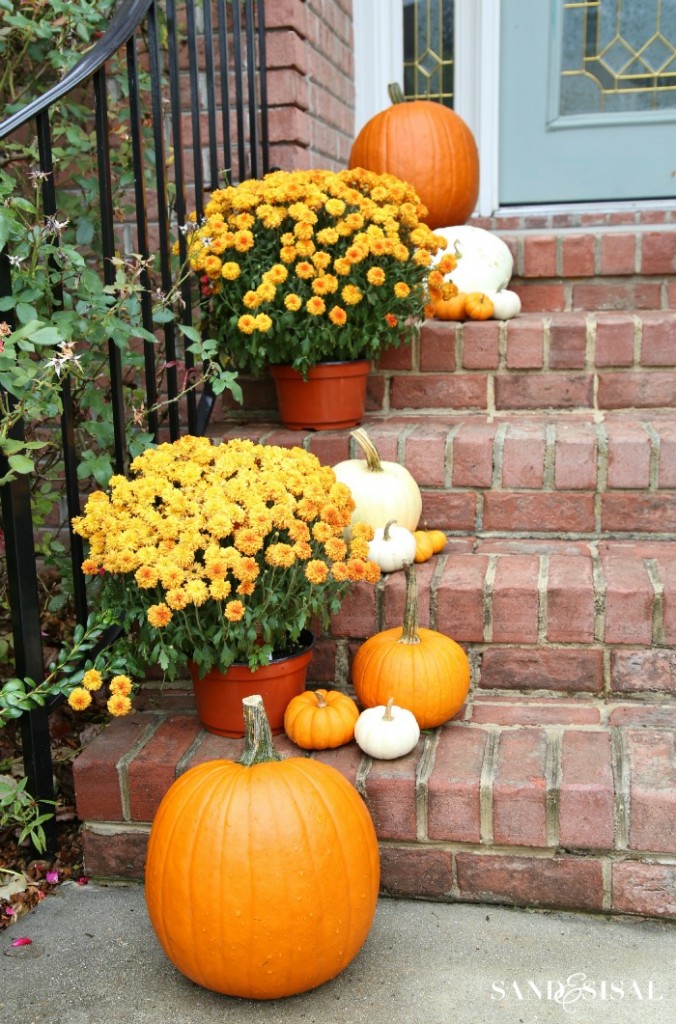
(94, 960)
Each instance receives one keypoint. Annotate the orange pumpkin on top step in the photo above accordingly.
(428, 145)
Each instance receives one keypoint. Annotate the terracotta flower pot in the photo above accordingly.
(218, 696)
(333, 396)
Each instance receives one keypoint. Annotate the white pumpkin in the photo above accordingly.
(392, 547)
(386, 732)
(506, 304)
(382, 490)
(485, 262)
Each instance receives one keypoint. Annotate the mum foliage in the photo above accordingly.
(219, 553)
(302, 267)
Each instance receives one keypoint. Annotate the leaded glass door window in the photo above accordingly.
(429, 50)
(587, 100)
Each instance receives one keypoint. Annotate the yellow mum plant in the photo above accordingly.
(302, 267)
(216, 553)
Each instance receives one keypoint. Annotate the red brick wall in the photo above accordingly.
(310, 83)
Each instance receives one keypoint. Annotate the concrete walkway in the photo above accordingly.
(94, 960)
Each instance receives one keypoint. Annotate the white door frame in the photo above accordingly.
(477, 74)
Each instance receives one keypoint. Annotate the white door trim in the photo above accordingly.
(378, 55)
(477, 88)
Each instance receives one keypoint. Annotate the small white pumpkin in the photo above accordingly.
(506, 304)
(392, 547)
(381, 490)
(485, 262)
(386, 732)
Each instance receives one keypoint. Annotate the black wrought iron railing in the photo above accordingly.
(196, 100)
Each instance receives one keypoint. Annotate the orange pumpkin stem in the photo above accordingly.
(258, 745)
(373, 463)
(409, 632)
(396, 93)
(388, 716)
(321, 699)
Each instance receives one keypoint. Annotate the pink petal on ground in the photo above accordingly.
(22, 941)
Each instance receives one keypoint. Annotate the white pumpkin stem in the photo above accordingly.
(258, 745)
(373, 463)
(409, 632)
(388, 716)
(386, 529)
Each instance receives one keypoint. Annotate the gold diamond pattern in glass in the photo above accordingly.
(428, 49)
(618, 56)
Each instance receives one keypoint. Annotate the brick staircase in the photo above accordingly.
(546, 447)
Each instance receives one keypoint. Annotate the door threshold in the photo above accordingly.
(654, 213)
(608, 206)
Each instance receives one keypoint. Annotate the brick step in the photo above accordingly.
(561, 803)
(534, 616)
(536, 361)
(568, 475)
(596, 267)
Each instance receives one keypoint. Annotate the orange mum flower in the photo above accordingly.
(92, 679)
(146, 577)
(119, 705)
(338, 316)
(317, 571)
(121, 684)
(234, 611)
(79, 698)
(159, 615)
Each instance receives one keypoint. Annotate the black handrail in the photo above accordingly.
(126, 19)
(251, 153)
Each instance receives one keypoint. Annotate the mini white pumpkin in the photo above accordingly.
(485, 262)
(381, 490)
(386, 732)
(392, 547)
(506, 304)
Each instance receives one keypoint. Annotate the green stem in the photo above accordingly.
(409, 633)
(373, 463)
(258, 745)
(395, 92)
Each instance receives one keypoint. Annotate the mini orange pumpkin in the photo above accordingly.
(262, 875)
(424, 671)
(438, 539)
(320, 719)
(424, 548)
(478, 306)
(449, 309)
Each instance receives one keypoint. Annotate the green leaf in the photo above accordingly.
(163, 315)
(190, 332)
(21, 463)
(47, 336)
(5, 226)
(26, 313)
(85, 231)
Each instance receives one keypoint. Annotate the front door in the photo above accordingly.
(587, 100)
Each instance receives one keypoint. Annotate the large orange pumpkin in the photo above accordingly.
(428, 145)
(262, 875)
(425, 672)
